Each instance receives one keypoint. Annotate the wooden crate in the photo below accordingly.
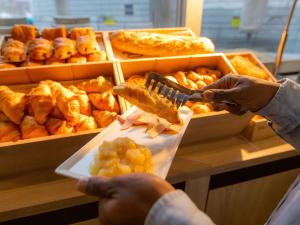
(22, 70)
(203, 126)
(78, 73)
(258, 127)
(115, 54)
(254, 59)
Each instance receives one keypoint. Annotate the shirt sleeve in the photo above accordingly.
(176, 208)
(284, 112)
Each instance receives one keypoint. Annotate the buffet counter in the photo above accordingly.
(208, 171)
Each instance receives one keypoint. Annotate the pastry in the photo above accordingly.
(58, 126)
(77, 32)
(86, 45)
(68, 105)
(181, 78)
(96, 57)
(98, 85)
(83, 99)
(56, 113)
(104, 101)
(137, 79)
(50, 33)
(31, 129)
(207, 71)
(153, 44)
(104, 118)
(30, 63)
(7, 65)
(40, 49)
(77, 58)
(24, 32)
(9, 131)
(14, 51)
(41, 101)
(153, 103)
(199, 108)
(12, 104)
(86, 123)
(54, 61)
(64, 48)
(244, 66)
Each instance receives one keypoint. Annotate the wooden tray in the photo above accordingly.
(101, 41)
(258, 127)
(115, 54)
(78, 73)
(203, 126)
(253, 58)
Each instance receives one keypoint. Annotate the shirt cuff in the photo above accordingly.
(283, 110)
(176, 208)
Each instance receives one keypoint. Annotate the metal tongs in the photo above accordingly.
(176, 93)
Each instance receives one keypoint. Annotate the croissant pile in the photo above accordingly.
(193, 79)
(51, 108)
(55, 45)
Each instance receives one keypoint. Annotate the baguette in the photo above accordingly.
(152, 44)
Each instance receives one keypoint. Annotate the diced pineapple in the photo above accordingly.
(135, 156)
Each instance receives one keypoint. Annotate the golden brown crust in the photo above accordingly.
(86, 45)
(96, 57)
(98, 85)
(54, 61)
(104, 118)
(31, 129)
(14, 51)
(77, 58)
(24, 32)
(104, 101)
(12, 104)
(31, 63)
(153, 44)
(76, 32)
(40, 49)
(50, 33)
(58, 126)
(64, 48)
(153, 103)
(9, 132)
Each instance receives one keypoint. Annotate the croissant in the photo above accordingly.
(86, 123)
(41, 101)
(83, 99)
(54, 61)
(86, 45)
(96, 57)
(104, 118)
(68, 105)
(82, 31)
(77, 58)
(12, 104)
(55, 87)
(64, 48)
(40, 49)
(50, 33)
(14, 51)
(24, 32)
(58, 126)
(9, 132)
(98, 85)
(56, 113)
(104, 101)
(30, 63)
(153, 103)
(31, 129)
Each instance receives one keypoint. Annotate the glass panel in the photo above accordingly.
(251, 24)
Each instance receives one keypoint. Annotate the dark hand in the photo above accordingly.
(125, 199)
(249, 93)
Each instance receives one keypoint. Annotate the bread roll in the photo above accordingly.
(152, 44)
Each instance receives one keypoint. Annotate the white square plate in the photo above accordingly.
(163, 147)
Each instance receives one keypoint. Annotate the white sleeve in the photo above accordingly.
(175, 208)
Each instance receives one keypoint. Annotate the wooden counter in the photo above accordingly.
(43, 196)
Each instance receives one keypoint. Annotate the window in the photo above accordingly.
(128, 9)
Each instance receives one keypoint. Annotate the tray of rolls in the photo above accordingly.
(193, 72)
(28, 47)
(54, 106)
(147, 43)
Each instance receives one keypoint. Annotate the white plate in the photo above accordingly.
(163, 147)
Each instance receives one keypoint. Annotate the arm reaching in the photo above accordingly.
(275, 101)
